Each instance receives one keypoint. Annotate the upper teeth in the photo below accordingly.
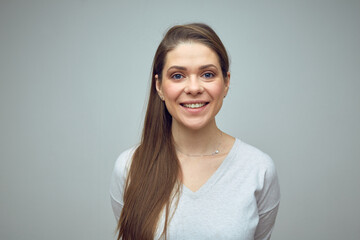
(194, 105)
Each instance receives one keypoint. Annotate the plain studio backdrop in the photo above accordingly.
(74, 81)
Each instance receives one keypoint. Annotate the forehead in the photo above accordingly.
(191, 55)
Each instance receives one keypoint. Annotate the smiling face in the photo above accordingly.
(192, 85)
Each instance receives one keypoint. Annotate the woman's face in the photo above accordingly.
(192, 85)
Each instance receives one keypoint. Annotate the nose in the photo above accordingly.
(193, 86)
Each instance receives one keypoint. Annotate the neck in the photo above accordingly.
(204, 141)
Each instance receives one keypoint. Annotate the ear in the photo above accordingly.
(227, 84)
(158, 87)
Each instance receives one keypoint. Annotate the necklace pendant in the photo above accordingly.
(216, 152)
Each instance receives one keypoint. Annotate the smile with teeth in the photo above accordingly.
(193, 105)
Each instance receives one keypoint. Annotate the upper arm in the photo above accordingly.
(268, 199)
(117, 182)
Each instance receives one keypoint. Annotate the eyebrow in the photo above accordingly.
(184, 68)
(176, 67)
(207, 66)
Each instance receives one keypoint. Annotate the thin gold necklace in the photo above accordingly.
(216, 152)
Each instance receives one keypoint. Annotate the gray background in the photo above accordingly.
(74, 79)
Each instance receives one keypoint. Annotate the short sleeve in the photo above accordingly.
(268, 199)
(117, 182)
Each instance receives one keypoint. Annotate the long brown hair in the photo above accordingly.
(153, 181)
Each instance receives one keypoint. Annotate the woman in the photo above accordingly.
(187, 179)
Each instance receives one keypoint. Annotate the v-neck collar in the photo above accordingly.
(214, 177)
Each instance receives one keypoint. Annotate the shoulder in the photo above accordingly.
(119, 175)
(261, 174)
(118, 180)
(121, 169)
(263, 170)
(122, 163)
(253, 156)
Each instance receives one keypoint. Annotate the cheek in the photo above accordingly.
(170, 91)
(218, 91)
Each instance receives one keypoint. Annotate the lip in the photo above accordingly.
(194, 110)
(194, 101)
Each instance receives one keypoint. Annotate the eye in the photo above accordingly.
(208, 75)
(177, 76)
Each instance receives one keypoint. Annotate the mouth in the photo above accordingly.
(194, 105)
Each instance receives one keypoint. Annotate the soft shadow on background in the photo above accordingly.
(74, 79)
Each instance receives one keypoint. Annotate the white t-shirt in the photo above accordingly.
(239, 201)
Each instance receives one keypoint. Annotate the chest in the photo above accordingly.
(216, 215)
(197, 171)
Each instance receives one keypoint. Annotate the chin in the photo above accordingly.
(195, 125)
